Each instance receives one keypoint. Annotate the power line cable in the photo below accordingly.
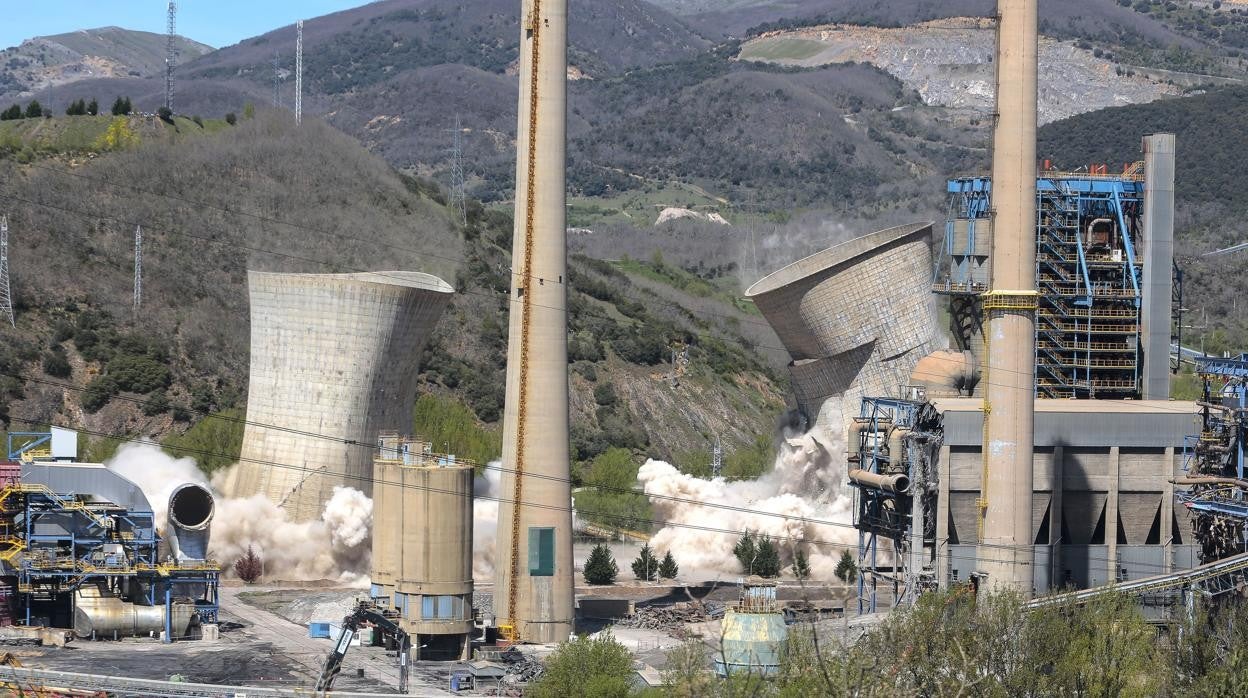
(555, 507)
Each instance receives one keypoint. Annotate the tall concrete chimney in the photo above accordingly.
(1005, 552)
(1158, 263)
(533, 564)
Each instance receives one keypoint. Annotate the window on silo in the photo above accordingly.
(541, 552)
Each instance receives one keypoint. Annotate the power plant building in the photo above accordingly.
(334, 361)
(1104, 259)
(1103, 497)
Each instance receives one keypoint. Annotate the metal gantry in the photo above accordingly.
(138, 267)
(171, 51)
(6, 295)
(1214, 460)
(299, 72)
(1088, 272)
(458, 194)
(892, 468)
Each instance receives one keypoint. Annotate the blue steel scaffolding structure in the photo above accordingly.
(894, 437)
(1214, 460)
(54, 543)
(1088, 271)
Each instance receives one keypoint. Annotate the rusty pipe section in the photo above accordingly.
(894, 484)
(191, 508)
(1211, 480)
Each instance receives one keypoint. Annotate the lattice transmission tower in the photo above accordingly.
(459, 197)
(277, 94)
(171, 52)
(6, 297)
(299, 72)
(138, 267)
(717, 458)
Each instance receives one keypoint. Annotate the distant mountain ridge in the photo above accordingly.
(48, 61)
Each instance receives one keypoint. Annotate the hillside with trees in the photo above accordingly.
(216, 200)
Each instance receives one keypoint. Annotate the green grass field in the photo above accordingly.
(780, 49)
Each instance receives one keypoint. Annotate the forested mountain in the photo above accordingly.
(46, 61)
(216, 200)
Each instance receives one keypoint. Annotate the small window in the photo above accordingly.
(446, 607)
(541, 552)
(428, 607)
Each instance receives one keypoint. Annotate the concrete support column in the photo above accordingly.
(1158, 256)
(1055, 519)
(942, 518)
(1111, 517)
(1167, 515)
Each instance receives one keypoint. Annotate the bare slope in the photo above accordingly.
(47, 61)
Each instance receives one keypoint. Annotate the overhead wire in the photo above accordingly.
(662, 523)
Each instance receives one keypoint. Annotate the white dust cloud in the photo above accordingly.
(485, 522)
(336, 547)
(806, 488)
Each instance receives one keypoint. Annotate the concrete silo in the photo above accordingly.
(334, 359)
(422, 545)
(855, 318)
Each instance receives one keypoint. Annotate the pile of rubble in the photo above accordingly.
(672, 618)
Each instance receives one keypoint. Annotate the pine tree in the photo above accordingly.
(12, 113)
(801, 566)
(600, 568)
(668, 569)
(745, 553)
(646, 567)
(767, 562)
(76, 108)
(846, 568)
(249, 567)
(120, 108)
(34, 110)
(93, 107)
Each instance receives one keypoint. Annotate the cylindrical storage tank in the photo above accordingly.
(751, 643)
(434, 584)
(855, 319)
(387, 521)
(334, 360)
(104, 617)
(191, 508)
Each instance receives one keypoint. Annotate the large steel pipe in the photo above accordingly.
(106, 617)
(895, 484)
(191, 508)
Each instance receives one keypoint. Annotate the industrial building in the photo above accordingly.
(334, 361)
(82, 549)
(422, 545)
(1104, 259)
(1102, 505)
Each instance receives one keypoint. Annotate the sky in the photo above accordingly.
(214, 22)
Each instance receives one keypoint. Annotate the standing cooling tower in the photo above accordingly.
(855, 319)
(334, 359)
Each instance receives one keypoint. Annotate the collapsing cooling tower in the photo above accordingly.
(334, 359)
(855, 319)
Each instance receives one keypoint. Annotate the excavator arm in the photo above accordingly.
(364, 614)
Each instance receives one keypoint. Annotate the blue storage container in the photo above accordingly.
(318, 630)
